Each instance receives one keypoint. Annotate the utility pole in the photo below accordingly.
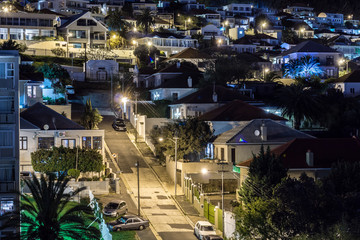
(138, 180)
(175, 177)
(136, 99)
(222, 163)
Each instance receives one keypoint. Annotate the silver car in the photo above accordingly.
(129, 223)
(115, 208)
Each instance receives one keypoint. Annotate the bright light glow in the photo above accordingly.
(70, 34)
(189, 20)
(220, 41)
(226, 22)
(263, 24)
(135, 29)
(124, 99)
(6, 9)
(204, 171)
(266, 70)
(341, 61)
(134, 42)
(302, 30)
(161, 139)
(114, 36)
(149, 43)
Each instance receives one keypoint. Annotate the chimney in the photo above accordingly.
(178, 64)
(263, 130)
(310, 158)
(189, 81)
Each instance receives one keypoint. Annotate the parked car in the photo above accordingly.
(115, 208)
(70, 89)
(212, 237)
(203, 228)
(119, 125)
(128, 222)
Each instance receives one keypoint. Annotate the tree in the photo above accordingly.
(271, 77)
(49, 213)
(299, 102)
(304, 67)
(193, 136)
(289, 36)
(59, 52)
(302, 207)
(145, 20)
(91, 117)
(265, 172)
(127, 9)
(62, 159)
(143, 54)
(58, 76)
(12, 45)
(115, 20)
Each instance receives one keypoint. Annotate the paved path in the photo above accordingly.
(156, 204)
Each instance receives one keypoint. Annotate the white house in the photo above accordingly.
(349, 84)
(42, 127)
(102, 70)
(331, 19)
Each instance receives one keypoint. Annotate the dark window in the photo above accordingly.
(233, 155)
(86, 142)
(330, 61)
(222, 154)
(175, 96)
(23, 143)
(45, 142)
(81, 22)
(15, 21)
(22, 21)
(97, 141)
(9, 21)
(91, 23)
(3, 21)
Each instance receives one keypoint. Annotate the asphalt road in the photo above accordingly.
(154, 202)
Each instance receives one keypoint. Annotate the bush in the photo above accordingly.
(58, 101)
(74, 173)
(58, 52)
(59, 60)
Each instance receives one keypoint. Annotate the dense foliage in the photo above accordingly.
(193, 136)
(58, 76)
(91, 116)
(50, 213)
(276, 206)
(61, 159)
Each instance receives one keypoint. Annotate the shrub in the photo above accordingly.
(59, 52)
(74, 173)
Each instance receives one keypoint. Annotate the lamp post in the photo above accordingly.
(136, 133)
(342, 61)
(67, 43)
(175, 141)
(262, 26)
(266, 70)
(124, 100)
(138, 181)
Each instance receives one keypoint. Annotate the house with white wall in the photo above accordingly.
(332, 19)
(43, 128)
(240, 143)
(349, 84)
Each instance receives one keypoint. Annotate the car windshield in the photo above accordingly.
(122, 220)
(112, 205)
(207, 228)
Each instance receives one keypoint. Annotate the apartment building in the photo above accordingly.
(9, 132)
(27, 25)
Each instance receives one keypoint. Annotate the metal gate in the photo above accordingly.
(209, 212)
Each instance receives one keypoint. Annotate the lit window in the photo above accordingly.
(86, 142)
(31, 91)
(23, 143)
(6, 206)
(69, 143)
(97, 141)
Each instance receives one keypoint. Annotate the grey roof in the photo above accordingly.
(309, 46)
(71, 19)
(39, 115)
(245, 133)
(14, 53)
(24, 124)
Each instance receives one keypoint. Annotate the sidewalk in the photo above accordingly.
(185, 206)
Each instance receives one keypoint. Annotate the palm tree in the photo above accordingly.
(49, 213)
(271, 77)
(303, 67)
(115, 20)
(12, 45)
(91, 116)
(145, 20)
(299, 102)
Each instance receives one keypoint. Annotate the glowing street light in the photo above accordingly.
(6, 9)
(226, 22)
(134, 42)
(187, 20)
(343, 61)
(124, 100)
(262, 26)
(114, 36)
(135, 29)
(204, 171)
(149, 43)
(219, 42)
(302, 31)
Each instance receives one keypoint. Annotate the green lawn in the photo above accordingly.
(125, 235)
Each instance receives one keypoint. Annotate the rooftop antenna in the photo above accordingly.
(53, 120)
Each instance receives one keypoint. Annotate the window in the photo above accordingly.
(97, 141)
(222, 153)
(81, 22)
(352, 90)
(6, 205)
(86, 142)
(175, 96)
(23, 143)
(31, 91)
(69, 143)
(45, 142)
(91, 23)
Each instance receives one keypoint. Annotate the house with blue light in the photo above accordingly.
(330, 19)
(240, 143)
(328, 58)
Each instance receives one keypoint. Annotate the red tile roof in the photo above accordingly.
(190, 53)
(326, 151)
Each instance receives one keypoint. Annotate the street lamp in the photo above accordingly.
(124, 100)
(219, 42)
(174, 140)
(204, 171)
(137, 165)
(69, 35)
(266, 70)
(135, 29)
(149, 43)
(262, 26)
(187, 20)
(342, 61)
(302, 31)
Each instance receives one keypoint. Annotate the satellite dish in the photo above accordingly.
(257, 133)
(46, 127)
